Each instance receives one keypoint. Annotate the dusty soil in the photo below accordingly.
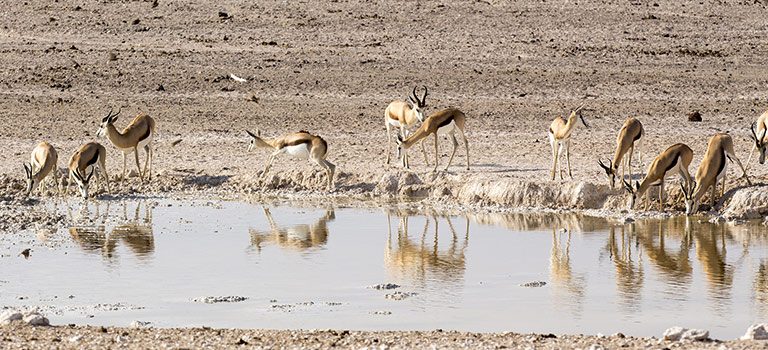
(27, 337)
(331, 68)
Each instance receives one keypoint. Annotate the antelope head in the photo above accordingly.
(577, 113)
(105, 122)
(254, 137)
(82, 182)
(31, 179)
(760, 143)
(417, 104)
(691, 206)
(609, 171)
(632, 192)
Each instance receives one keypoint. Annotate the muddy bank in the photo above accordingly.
(442, 189)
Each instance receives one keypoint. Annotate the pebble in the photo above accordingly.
(534, 284)
(400, 295)
(221, 299)
(756, 332)
(680, 333)
(385, 286)
(141, 324)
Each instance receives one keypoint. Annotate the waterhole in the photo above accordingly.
(229, 264)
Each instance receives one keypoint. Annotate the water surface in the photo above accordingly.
(311, 268)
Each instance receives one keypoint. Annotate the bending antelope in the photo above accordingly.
(89, 158)
(560, 135)
(630, 133)
(674, 159)
(713, 168)
(44, 160)
(760, 136)
(444, 122)
(301, 145)
(138, 134)
(402, 115)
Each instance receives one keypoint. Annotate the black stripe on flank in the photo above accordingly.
(722, 163)
(296, 142)
(93, 160)
(146, 134)
(674, 162)
(639, 135)
(445, 122)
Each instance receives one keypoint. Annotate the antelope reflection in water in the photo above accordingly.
(89, 231)
(299, 237)
(629, 270)
(420, 259)
(564, 279)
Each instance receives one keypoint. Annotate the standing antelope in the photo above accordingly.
(301, 145)
(560, 135)
(630, 133)
(89, 158)
(713, 168)
(138, 134)
(444, 122)
(674, 159)
(760, 136)
(402, 115)
(44, 160)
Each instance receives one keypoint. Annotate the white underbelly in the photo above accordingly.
(447, 129)
(394, 122)
(146, 141)
(298, 151)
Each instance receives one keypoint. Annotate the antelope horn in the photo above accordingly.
(413, 93)
(627, 185)
(250, 134)
(88, 179)
(424, 98)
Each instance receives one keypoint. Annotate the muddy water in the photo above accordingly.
(155, 261)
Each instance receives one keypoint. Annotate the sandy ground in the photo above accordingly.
(332, 68)
(28, 337)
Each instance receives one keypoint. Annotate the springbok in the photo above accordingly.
(674, 159)
(444, 122)
(44, 160)
(300, 144)
(630, 133)
(560, 135)
(402, 115)
(138, 134)
(760, 136)
(89, 158)
(712, 168)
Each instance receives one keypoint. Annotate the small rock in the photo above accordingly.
(534, 284)
(382, 312)
(175, 142)
(619, 335)
(160, 87)
(385, 286)
(400, 295)
(36, 319)
(694, 116)
(680, 333)
(141, 324)
(224, 299)
(756, 332)
(75, 338)
(596, 347)
(10, 316)
(717, 220)
(112, 56)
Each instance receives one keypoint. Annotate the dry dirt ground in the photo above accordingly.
(332, 67)
(28, 337)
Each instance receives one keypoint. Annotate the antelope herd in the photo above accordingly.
(90, 158)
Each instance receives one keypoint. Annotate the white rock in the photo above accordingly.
(756, 332)
(141, 324)
(75, 338)
(680, 333)
(10, 316)
(596, 347)
(36, 319)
